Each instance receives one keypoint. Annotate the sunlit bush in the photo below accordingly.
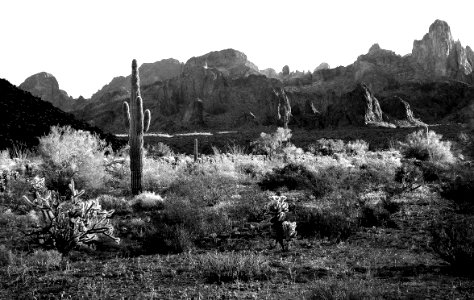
(427, 145)
(73, 154)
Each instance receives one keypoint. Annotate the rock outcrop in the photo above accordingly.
(356, 108)
(270, 73)
(439, 55)
(322, 66)
(231, 63)
(398, 111)
(46, 87)
(119, 87)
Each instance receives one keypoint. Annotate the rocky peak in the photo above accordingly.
(322, 66)
(438, 54)
(375, 47)
(45, 86)
(119, 87)
(230, 62)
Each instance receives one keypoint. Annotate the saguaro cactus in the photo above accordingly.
(196, 150)
(138, 122)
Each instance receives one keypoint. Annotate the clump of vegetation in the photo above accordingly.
(453, 240)
(323, 223)
(427, 146)
(233, 266)
(458, 186)
(271, 144)
(283, 230)
(160, 150)
(296, 177)
(70, 154)
(327, 147)
(65, 224)
(147, 201)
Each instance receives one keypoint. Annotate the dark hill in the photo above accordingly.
(24, 118)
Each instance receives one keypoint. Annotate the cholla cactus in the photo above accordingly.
(68, 223)
(284, 231)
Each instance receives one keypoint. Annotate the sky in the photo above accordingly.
(86, 43)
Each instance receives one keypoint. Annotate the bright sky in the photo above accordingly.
(86, 43)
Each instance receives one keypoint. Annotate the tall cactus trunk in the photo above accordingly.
(138, 122)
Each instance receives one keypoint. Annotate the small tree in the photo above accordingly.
(270, 144)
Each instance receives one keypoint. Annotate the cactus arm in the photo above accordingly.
(126, 114)
(147, 120)
(139, 116)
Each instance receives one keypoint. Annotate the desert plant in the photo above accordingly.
(72, 154)
(452, 238)
(147, 201)
(160, 150)
(427, 145)
(270, 144)
(138, 122)
(196, 149)
(232, 266)
(283, 230)
(64, 224)
(326, 147)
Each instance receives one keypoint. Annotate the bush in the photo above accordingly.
(323, 223)
(296, 177)
(160, 150)
(326, 147)
(378, 214)
(6, 256)
(357, 147)
(120, 205)
(231, 266)
(427, 146)
(73, 154)
(453, 240)
(47, 259)
(180, 225)
(460, 189)
(147, 201)
(270, 144)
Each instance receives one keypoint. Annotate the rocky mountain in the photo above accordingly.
(224, 90)
(119, 87)
(46, 87)
(25, 117)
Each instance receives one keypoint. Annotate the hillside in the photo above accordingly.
(24, 118)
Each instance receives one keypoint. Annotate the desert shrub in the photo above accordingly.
(204, 189)
(47, 259)
(73, 154)
(147, 201)
(270, 144)
(427, 146)
(65, 224)
(378, 215)
(323, 223)
(458, 186)
(232, 266)
(452, 238)
(250, 207)
(349, 289)
(160, 150)
(296, 177)
(356, 147)
(6, 256)
(181, 225)
(326, 147)
(120, 205)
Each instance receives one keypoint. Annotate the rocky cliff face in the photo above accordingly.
(46, 87)
(439, 55)
(233, 92)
